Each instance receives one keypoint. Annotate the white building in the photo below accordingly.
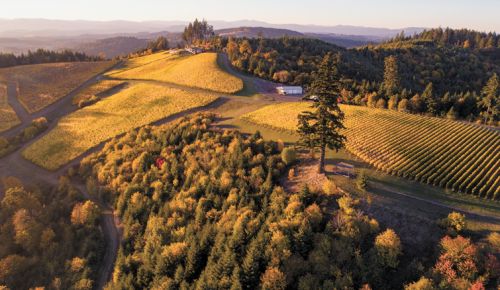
(290, 90)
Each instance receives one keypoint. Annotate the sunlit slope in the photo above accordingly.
(42, 84)
(197, 71)
(98, 88)
(454, 155)
(133, 107)
(8, 117)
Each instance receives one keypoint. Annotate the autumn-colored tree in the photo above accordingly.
(393, 103)
(404, 106)
(273, 279)
(454, 223)
(388, 248)
(422, 284)
(85, 213)
(458, 261)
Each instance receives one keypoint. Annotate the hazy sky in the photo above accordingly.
(477, 14)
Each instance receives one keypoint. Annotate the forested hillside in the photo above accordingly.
(460, 38)
(432, 71)
(44, 56)
(48, 238)
(203, 209)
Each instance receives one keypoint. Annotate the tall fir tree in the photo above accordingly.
(391, 75)
(430, 101)
(319, 128)
(491, 99)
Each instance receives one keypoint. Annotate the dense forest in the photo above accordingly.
(48, 238)
(44, 56)
(459, 38)
(433, 65)
(203, 209)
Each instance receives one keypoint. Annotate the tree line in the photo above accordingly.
(44, 56)
(459, 38)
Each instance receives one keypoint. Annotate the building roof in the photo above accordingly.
(289, 87)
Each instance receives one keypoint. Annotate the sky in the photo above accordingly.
(483, 15)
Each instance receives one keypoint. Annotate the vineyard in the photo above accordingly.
(136, 106)
(198, 71)
(461, 157)
(8, 118)
(40, 85)
(96, 89)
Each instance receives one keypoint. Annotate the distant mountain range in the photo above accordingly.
(113, 38)
(46, 28)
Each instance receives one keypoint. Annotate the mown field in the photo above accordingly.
(457, 156)
(96, 89)
(198, 71)
(40, 85)
(133, 107)
(8, 117)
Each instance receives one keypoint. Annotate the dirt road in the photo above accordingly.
(21, 112)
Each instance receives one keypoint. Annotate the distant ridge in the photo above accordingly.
(47, 27)
(256, 32)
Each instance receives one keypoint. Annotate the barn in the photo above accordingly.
(290, 90)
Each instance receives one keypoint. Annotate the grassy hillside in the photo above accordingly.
(136, 106)
(199, 71)
(454, 155)
(42, 84)
(8, 118)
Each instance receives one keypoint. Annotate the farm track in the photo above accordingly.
(16, 105)
(470, 215)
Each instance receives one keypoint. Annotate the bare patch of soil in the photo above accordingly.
(306, 172)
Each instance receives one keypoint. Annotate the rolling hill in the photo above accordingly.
(253, 32)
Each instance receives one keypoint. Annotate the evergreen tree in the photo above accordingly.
(430, 102)
(491, 99)
(391, 75)
(320, 127)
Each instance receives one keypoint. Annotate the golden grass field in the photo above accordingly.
(8, 117)
(96, 89)
(132, 107)
(455, 155)
(40, 85)
(197, 71)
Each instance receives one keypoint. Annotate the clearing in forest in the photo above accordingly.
(40, 85)
(454, 155)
